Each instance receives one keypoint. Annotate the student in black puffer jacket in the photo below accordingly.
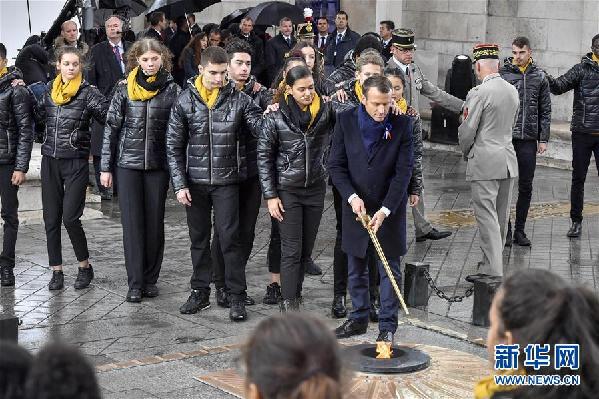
(291, 159)
(16, 139)
(64, 114)
(209, 123)
(135, 140)
(583, 78)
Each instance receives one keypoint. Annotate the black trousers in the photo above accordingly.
(142, 203)
(97, 171)
(273, 258)
(250, 199)
(303, 211)
(10, 215)
(64, 183)
(526, 153)
(224, 200)
(340, 265)
(583, 146)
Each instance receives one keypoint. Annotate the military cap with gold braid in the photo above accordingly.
(403, 38)
(305, 31)
(485, 51)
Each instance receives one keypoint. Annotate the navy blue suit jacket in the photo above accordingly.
(379, 179)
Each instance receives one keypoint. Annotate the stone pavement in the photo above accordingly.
(150, 350)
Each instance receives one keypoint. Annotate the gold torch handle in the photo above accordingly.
(365, 219)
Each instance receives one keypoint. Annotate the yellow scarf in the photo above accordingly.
(314, 107)
(3, 72)
(523, 68)
(402, 104)
(135, 91)
(486, 387)
(63, 92)
(358, 90)
(209, 96)
(595, 58)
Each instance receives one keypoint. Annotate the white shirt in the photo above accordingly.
(403, 67)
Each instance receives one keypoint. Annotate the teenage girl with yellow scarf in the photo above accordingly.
(64, 114)
(135, 141)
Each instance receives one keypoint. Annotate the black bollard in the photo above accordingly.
(484, 290)
(415, 284)
(9, 328)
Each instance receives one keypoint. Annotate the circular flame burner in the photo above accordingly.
(403, 359)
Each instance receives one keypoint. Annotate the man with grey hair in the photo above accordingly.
(485, 138)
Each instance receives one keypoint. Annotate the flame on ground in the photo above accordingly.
(383, 350)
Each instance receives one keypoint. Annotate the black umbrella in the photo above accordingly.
(177, 8)
(234, 17)
(271, 12)
(132, 8)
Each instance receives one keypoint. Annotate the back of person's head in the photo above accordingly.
(210, 27)
(2, 51)
(62, 372)
(367, 42)
(538, 307)
(182, 23)
(214, 55)
(15, 363)
(293, 357)
(370, 57)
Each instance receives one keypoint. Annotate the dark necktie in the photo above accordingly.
(339, 38)
(119, 58)
(288, 40)
(322, 42)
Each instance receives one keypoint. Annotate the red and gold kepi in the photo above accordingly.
(485, 51)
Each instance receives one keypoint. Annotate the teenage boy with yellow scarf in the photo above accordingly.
(16, 138)
(208, 125)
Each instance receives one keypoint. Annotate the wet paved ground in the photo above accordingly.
(150, 350)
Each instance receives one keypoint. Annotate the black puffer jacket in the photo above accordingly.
(583, 78)
(534, 114)
(16, 124)
(204, 146)
(288, 157)
(345, 72)
(135, 131)
(66, 128)
(262, 98)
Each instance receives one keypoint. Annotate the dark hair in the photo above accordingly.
(396, 73)
(15, 364)
(239, 46)
(156, 17)
(296, 73)
(225, 36)
(2, 51)
(521, 41)
(209, 27)
(61, 51)
(144, 45)
(294, 356)
(61, 371)
(367, 42)
(215, 31)
(181, 22)
(214, 55)
(380, 83)
(317, 71)
(277, 81)
(389, 24)
(539, 307)
(195, 45)
(595, 38)
(285, 19)
(322, 17)
(341, 12)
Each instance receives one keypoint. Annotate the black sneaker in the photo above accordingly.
(84, 277)
(351, 327)
(198, 300)
(273, 294)
(222, 298)
(237, 311)
(150, 291)
(521, 239)
(134, 295)
(338, 308)
(312, 268)
(7, 276)
(249, 301)
(57, 281)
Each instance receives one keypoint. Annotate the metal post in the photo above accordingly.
(415, 284)
(484, 291)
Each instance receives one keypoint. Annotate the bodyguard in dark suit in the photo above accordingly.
(371, 163)
(278, 48)
(342, 41)
(107, 68)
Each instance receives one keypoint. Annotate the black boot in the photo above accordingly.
(57, 281)
(7, 276)
(273, 294)
(134, 295)
(338, 308)
(312, 268)
(237, 311)
(84, 277)
(198, 300)
(289, 305)
(521, 239)
(576, 230)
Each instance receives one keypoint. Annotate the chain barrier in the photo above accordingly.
(443, 295)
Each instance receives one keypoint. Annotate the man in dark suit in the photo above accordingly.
(386, 31)
(371, 163)
(323, 37)
(246, 32)
(194, 28)
(342, 41)
(278, 48)
(157, 25)
(176, 46)
(107, 67)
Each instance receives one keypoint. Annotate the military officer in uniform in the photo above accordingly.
(485, 138)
